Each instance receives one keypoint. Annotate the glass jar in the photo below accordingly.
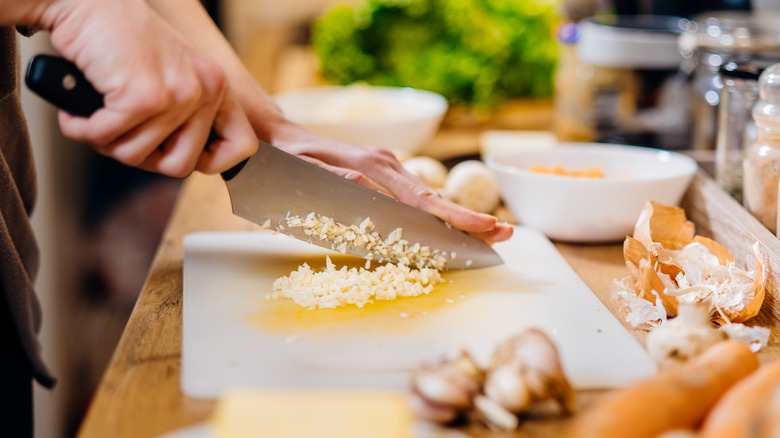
(619, 81)
(736, 130)
(712, 39)
(762, 160)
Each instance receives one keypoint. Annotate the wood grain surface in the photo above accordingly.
(140, 395)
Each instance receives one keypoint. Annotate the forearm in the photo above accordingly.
(191, 20)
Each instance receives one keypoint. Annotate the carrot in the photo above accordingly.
(677, 398)
(746, 409)
(772, 429)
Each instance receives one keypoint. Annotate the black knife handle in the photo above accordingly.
(61, 83)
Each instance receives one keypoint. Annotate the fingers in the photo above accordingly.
(236, 139)
(500, 233)
(162, 97)
(179, 154)
(349, 174)
(172, 137)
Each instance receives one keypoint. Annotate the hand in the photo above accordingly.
(378, 169)
(162, 96)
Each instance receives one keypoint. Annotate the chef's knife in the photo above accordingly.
(272, 185)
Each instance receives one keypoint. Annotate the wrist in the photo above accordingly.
(269, 123)
(264, 115)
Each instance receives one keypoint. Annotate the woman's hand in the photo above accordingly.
(378, 169)
(162, 96)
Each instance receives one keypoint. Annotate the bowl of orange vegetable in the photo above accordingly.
(588, 192)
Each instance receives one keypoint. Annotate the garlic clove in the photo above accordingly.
(507, 387)
(466, 366)
(441, 388)
(444, 390)
(495, 416)
(680, 339)
(427, 411)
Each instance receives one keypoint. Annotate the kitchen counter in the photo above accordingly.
(140, 394)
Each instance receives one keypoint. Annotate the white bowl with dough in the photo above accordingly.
(589, 210)
(397, 118)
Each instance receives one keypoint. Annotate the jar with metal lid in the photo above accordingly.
(620, 82)
(736, 130)
(712, 39)
(762, 161)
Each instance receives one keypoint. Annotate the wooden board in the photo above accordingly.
(234, 337)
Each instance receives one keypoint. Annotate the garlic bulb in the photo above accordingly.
(430, 170)
(443, 391)
(526, 369)
(472, 184)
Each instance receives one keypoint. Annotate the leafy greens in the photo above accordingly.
(476, 52)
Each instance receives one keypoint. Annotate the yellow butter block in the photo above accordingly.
(321, 414)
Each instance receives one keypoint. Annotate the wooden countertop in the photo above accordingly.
(140, 393)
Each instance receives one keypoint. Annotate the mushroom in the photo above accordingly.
(443, 391)
(430, 170)
(526, 369)
(683, 337)
(472, 184)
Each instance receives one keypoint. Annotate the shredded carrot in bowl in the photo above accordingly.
(592, 172)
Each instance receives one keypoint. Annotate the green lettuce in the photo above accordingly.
(475, 52)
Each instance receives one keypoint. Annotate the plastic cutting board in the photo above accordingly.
(234, 337)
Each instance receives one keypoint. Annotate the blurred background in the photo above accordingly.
(99, 223)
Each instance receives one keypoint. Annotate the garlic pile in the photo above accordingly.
(524, 372)
(334, 287)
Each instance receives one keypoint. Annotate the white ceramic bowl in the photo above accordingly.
(574, 209)
(397, 118)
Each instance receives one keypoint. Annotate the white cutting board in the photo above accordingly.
(234, 337)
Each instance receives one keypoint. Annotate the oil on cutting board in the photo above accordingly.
(235, 337)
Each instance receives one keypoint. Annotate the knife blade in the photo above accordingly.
(275, 189)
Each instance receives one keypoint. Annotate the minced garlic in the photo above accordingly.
(334, 287)
(393, 249)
